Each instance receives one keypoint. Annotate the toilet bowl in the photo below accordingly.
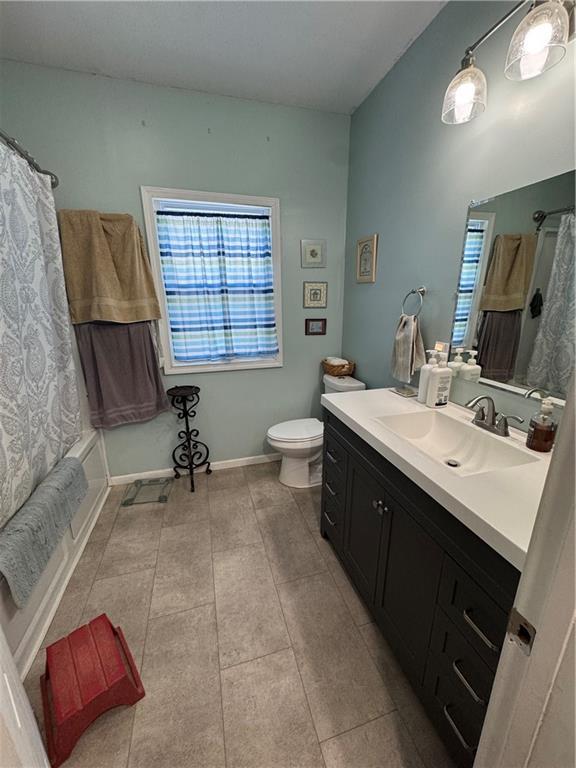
(300, 440)
(300, 443)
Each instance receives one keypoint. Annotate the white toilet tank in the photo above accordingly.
(341, 384)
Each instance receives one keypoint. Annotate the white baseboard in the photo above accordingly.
(214, 465)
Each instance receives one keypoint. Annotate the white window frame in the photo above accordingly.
(170, 366)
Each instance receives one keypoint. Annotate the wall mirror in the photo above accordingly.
(514, 300)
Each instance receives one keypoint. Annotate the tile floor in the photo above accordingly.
(255, 651)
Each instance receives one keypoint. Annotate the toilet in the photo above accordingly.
(300, 440)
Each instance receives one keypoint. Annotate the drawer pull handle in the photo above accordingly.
(327, 516)
(456, 730)
(472, 624)
(466, 684)
(331, 457)
(330, 490)
(379, 506)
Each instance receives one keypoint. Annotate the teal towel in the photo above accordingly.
(33, 533)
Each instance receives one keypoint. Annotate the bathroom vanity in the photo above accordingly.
(431, 518)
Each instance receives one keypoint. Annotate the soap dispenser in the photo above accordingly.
(425, 375)
(542, 429)
(439, 381)
(471, 371)
(456, 364)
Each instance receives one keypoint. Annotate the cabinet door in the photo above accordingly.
(364, 520)
(409, 577)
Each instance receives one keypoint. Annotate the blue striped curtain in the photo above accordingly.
(218, 278)
(468, 275)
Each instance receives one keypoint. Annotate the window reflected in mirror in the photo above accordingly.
(515, 298)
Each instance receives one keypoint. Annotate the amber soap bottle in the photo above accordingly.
(542, 429)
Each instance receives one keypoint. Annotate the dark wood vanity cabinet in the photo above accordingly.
(440, 595)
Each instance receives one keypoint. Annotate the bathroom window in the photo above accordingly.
(216, 261)
(472, 273)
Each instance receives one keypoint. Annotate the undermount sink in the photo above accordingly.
(466, 449)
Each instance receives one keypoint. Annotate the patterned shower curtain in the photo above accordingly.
(552, 361)
(219, 283)
(39, 404)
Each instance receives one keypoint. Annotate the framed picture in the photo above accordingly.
(312, 253)
(366, 253)
(315, 326)
(315, 295)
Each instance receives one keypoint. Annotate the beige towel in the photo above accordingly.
(509, 273)
(106, 268)
(408, 353)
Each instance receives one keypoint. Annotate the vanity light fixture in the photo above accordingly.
(538, 43)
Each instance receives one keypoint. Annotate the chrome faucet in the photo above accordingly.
(488, 419)
(542, 392)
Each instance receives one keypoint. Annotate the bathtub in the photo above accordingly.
(25, 627)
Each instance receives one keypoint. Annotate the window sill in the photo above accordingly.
(241, 365)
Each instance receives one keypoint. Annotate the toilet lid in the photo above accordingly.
(297, 430)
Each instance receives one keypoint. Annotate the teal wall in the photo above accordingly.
(106, 137)
(412, 178)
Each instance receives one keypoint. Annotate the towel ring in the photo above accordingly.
(420, 292)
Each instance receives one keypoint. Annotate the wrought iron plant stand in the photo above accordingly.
(190, 453)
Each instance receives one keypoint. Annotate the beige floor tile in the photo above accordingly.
(382, 742)
(308, 500)
(250, 620)
(184, 507)
(337, 670)
(183, 577)
(359, 611)
(226, 479)
(140, 519)
(68, 615)
(325, 548)
(427, 741)
(268, 491)
(108, 514)
(87, 567)
(126, 601)
(266, 717)
(269, 469)
(289, 544)
(179, 721)
(232, 519)
(125, 553)
(106, 743)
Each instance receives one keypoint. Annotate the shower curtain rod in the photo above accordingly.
(14, 144)
(540, 216)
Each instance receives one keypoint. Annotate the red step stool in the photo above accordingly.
(87, 673)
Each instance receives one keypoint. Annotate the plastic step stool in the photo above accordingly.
(87, 673)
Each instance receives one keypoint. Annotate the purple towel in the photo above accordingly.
(121, 372)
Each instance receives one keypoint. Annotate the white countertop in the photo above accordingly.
(498, 506)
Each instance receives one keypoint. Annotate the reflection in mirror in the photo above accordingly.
(515, 294)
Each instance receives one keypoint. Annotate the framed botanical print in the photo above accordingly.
(315, 326)
(366, 253)
(312, 253)
(315, 295)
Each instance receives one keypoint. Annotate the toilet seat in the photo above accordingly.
(297, 431)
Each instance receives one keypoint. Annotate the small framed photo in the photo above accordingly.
(315, 326)
(312, 253)
(366, 253)
(315, 295)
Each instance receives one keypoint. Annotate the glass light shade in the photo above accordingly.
(539, 41)
(465, 97)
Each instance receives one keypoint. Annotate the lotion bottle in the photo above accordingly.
(439, 381)
(425, 375)
(456, 364)
(542, 429)
(471, 371)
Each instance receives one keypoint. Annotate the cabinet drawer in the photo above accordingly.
(335, 455)
(332, 523)
(459, 661)
(334, 484)
(475, 614)
(450, 708)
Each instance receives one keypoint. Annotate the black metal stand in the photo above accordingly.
(191, 453)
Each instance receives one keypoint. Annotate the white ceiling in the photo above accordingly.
(324, 55)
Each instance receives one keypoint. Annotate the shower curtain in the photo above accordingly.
(39, 404)
(552, 360)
